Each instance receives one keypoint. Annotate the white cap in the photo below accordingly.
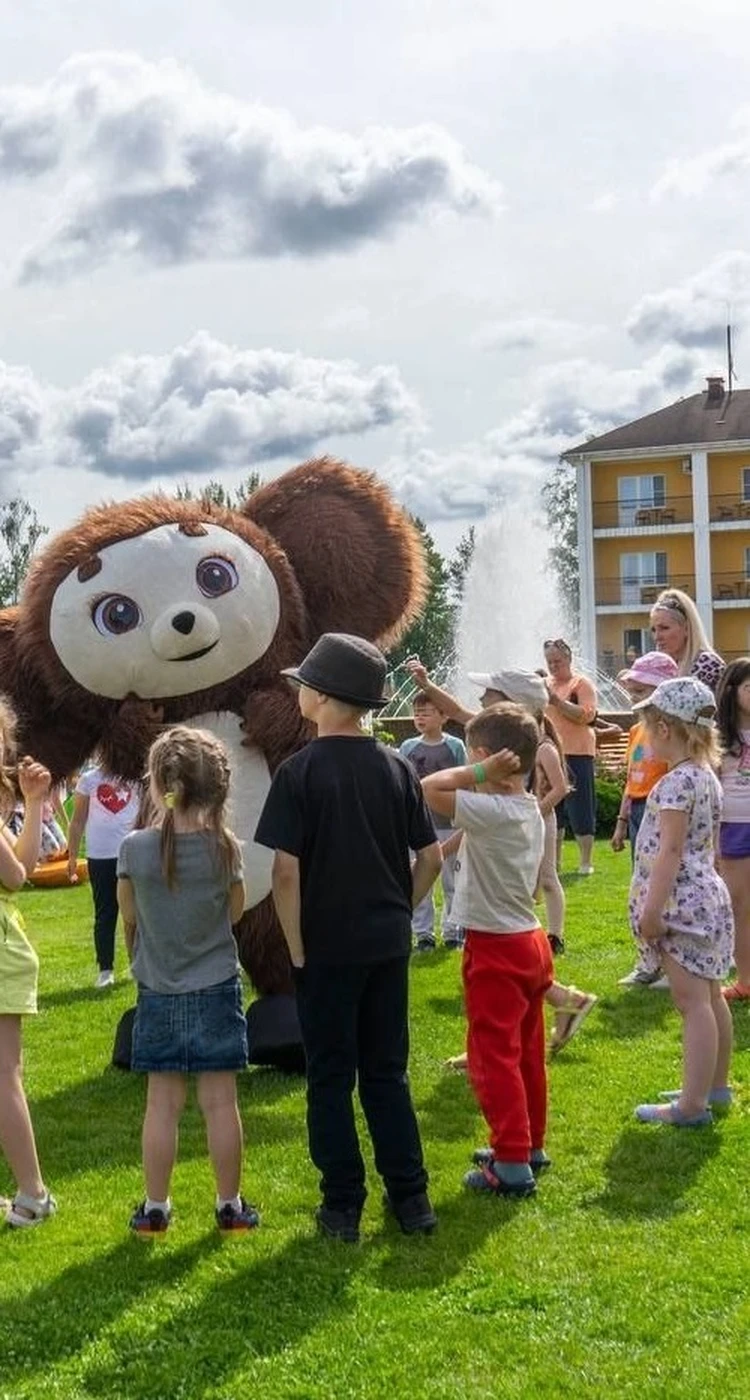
(685, 698)
(522, 687)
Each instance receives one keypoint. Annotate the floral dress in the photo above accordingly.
(698, 913)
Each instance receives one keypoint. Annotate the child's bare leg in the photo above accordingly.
(554, 896)
(736, 873)
(16, 1131)
(164, 1104)
(725, 1031)
(700, 1035)
(585, 850)
(217, 1096)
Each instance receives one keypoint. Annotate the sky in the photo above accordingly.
(443, 239)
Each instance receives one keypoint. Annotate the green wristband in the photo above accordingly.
(480, 775)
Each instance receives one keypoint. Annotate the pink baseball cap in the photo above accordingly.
(651, 669)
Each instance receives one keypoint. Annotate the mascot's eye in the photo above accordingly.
(216, 576)
(115, 615)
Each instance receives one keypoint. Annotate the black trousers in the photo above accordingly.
(103, 877)
(354, 1021)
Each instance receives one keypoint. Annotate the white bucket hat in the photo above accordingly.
(522, 687)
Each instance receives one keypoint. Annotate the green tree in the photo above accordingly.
(431, 636)
(459, 565)
(215, 493)
(20, 530)
(560, 498)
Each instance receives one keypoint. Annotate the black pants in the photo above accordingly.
(354, 1023)
(103, 877)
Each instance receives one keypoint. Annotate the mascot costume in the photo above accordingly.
(159, 611)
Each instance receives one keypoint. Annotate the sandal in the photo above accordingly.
(30, 1210)
(570, 1018)
(671, 1116)
(458, 1062)
(736, 991)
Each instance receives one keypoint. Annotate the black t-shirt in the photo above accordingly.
(350, 809)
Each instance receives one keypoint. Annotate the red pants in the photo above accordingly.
(505, 978)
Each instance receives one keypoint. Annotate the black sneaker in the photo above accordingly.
(414, 1214)
(339, 1224)
(425, 945)
(556, 943)
(149, 1222)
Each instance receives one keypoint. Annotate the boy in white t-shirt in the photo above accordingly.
(106, 808)
(507, 964)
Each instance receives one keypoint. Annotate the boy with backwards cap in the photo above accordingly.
(342, 817)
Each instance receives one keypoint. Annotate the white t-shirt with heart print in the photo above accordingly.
(113, 808)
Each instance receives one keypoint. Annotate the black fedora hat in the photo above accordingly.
(346, 668)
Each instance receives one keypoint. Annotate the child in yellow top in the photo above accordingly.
(643, 771)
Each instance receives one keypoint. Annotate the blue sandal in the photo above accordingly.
(671, 1116)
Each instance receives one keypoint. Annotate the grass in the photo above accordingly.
(627, 1275)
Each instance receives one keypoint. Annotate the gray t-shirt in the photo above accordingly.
(184, 939)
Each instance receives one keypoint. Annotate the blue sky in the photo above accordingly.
(444, 240)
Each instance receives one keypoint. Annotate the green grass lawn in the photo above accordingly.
(627, 1275)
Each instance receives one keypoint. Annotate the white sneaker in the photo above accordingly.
(660, 985)
(106, 978)
(586, 870)
(639, 977)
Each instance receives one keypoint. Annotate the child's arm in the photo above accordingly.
(673, 825)
(424, 872)
(285, 883)
(549, 762)
(126, 905)
(449, 847)
(440, 788)
(621, 825)
(236, 900)
(75, 832)
(447, 704)
(17, 861)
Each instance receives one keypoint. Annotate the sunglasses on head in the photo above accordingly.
(672, 603)
(558, 644)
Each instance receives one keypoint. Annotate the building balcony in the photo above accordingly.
(674, 513)
(637, 595)
(731, 589)
(730, 511)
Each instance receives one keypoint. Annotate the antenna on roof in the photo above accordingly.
(731, 376)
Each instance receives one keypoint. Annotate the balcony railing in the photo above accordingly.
(621, 515)
(726, 588)
(638, 593)
(724, 508)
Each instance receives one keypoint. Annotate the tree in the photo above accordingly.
(19, 532)
(459, 565)
(560, 502)
(215, 493)
(431, 636)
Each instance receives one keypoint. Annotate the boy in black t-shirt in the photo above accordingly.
(342, 816)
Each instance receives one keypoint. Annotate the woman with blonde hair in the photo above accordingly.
(677, 630)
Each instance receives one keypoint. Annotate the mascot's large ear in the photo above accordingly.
(358, 559)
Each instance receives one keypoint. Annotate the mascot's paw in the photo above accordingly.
(136, 725)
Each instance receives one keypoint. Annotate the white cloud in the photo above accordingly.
(692, 175)
(204, 408)
(530, 333)
(572, 401)
(695, 312)
(604, 203)
(159, 166)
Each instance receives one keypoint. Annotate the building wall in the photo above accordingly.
(607, 474)
(725, 472)
(732, 632)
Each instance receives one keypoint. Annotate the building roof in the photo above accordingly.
(708, 418)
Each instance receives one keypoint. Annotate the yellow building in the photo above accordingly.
(665, 502)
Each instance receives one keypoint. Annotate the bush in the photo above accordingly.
(609, 787)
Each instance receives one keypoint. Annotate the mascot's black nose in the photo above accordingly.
(184, 622)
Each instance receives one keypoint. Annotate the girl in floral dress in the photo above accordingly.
(680, 909)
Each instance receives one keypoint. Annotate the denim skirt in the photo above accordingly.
(190, 1032)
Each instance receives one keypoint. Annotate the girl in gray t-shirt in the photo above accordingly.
(180, 889)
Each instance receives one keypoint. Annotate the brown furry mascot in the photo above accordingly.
(158, 611)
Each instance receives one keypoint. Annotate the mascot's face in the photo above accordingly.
(165, 613)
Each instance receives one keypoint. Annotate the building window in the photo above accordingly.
(747, 563)
(636, 493)
(746, 483)
(636, 641)
(639, 572)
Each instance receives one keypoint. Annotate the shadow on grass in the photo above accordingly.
(449, 1113)
(636, 1013)
(96, 1122)
(54, 1321)
(447, 1006)
(741, 1021)
(70, 996)
(464, 1224)
(650, 1169)
(257, 1310)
